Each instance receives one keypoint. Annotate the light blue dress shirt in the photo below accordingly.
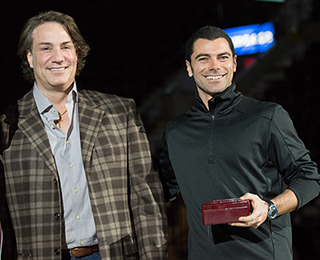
(66, 148)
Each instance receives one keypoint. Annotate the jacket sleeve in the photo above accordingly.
(168, 178)
(291, 158)
(8, 242)
(147, 199)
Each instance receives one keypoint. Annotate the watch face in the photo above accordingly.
(273, 212)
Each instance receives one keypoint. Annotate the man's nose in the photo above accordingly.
(214, 64)
(57, 55)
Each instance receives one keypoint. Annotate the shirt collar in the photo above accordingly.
(43, 103)
(221, 102)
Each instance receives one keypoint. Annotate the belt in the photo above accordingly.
(82, 251)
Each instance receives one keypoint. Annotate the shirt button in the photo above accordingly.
(82, 243)
(56, 251)
(71, 165)
(75, 190)
(67, 142)
(57, 215)
(78, 216)
(52, 126)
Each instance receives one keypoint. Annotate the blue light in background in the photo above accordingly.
(251, 39)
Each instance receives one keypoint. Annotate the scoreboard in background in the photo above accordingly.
(251, 39)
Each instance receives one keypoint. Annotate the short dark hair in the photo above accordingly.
(209, 33)
(68, 23)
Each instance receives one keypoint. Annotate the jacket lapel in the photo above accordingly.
(90, 118)
(31, 125)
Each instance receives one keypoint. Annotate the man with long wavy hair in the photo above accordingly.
(77, 180)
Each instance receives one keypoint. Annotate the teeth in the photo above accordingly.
(214, 77)
(58, 69)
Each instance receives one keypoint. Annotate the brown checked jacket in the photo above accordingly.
(125, 192)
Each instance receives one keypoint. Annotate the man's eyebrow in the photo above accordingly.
(202, 55)
(207, 55)
(45, 43)
(67, 42)
(224, 53)
(49, 43)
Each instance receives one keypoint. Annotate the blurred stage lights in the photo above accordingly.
(251, 39)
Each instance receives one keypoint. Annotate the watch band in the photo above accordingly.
(273, 211)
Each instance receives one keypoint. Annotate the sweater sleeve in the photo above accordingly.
(168, 178)
(289, 155)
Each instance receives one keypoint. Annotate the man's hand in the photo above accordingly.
(258, 215)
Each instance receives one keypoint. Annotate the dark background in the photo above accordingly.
(137, 51)
(135, 45)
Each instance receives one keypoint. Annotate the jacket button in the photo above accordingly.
(57, 215)
(56, 251)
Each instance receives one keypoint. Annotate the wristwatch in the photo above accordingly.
(273, 211)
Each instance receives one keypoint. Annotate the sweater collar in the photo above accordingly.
(221, 102)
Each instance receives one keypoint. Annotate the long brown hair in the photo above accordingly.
(26, 39)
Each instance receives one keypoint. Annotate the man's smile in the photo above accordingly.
(57, 69)
(214, 77)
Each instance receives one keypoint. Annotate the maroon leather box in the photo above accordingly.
(224, 211)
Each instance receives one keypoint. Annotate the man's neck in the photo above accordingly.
(58, 97)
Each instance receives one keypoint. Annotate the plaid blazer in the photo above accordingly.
(125, 192)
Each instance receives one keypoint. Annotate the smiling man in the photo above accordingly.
(212, 65)
(231, 146)
(53, 58)
(76, 178)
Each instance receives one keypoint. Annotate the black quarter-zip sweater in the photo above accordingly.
(239, 145)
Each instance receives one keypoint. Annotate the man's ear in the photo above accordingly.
(30, 58)
(235, 63)
(189, 69)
